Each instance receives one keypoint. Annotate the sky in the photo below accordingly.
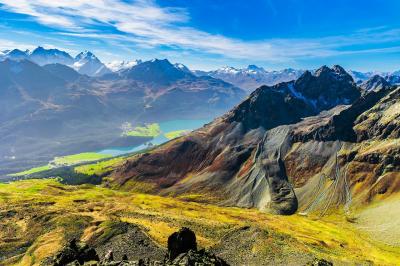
(208, 34)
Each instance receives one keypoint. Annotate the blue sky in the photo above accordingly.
(206, 34)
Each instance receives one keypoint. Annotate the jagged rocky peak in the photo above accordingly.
(42, 56)
(288, 102)
(327, 88)
(16, 54)
(44, 51)
(269, 107)
(87, 63)
(182, 67)
(86, 55)
(336, 71)
(340, 70)
(375, 83)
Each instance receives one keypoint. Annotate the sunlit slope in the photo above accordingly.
(40, 215)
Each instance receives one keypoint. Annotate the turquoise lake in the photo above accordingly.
(166, 126)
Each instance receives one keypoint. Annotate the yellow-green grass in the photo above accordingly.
(32, 170)
(331, 237)
(176, 133)
(150, 130)
(99, 168)
(80, 158)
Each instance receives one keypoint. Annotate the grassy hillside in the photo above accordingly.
(150, 130)
(43, 214)
(176, 134)
(33, 170)
(79, 158)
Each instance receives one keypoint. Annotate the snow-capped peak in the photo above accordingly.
(227, 70)
(120, 65)
(42, 56)
(182, 67)
(86, 55)
(87, 63)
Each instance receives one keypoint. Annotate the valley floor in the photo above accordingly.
(38, 216)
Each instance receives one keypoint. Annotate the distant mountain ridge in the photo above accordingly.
(121, 65)
(251, 77)
(64, 109)
(85, 63)
(248, 78)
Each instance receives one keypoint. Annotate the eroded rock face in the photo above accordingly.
(338, 123)
(382, 121)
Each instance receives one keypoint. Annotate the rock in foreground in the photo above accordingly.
(182, 250)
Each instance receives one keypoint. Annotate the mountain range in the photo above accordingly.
(252, 77)
(66, 112)
(61, 101)
(248, 78)
(85, 62)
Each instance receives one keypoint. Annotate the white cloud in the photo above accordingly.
(148, 25)
(8, 45)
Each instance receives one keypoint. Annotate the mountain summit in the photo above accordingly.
(157, 71)
(374, 83)
(42, 56)
(87, 63)
(327, 88)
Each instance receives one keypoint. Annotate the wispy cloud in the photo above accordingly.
(7, 44)
(145, 24)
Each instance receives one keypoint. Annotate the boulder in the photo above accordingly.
(74, 252)
(193, 257)
(181, 242)
(320, 262)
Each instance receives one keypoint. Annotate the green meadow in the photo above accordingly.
(150, 130)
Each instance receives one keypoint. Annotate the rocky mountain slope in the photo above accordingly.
(376, 82)
(264, 153)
